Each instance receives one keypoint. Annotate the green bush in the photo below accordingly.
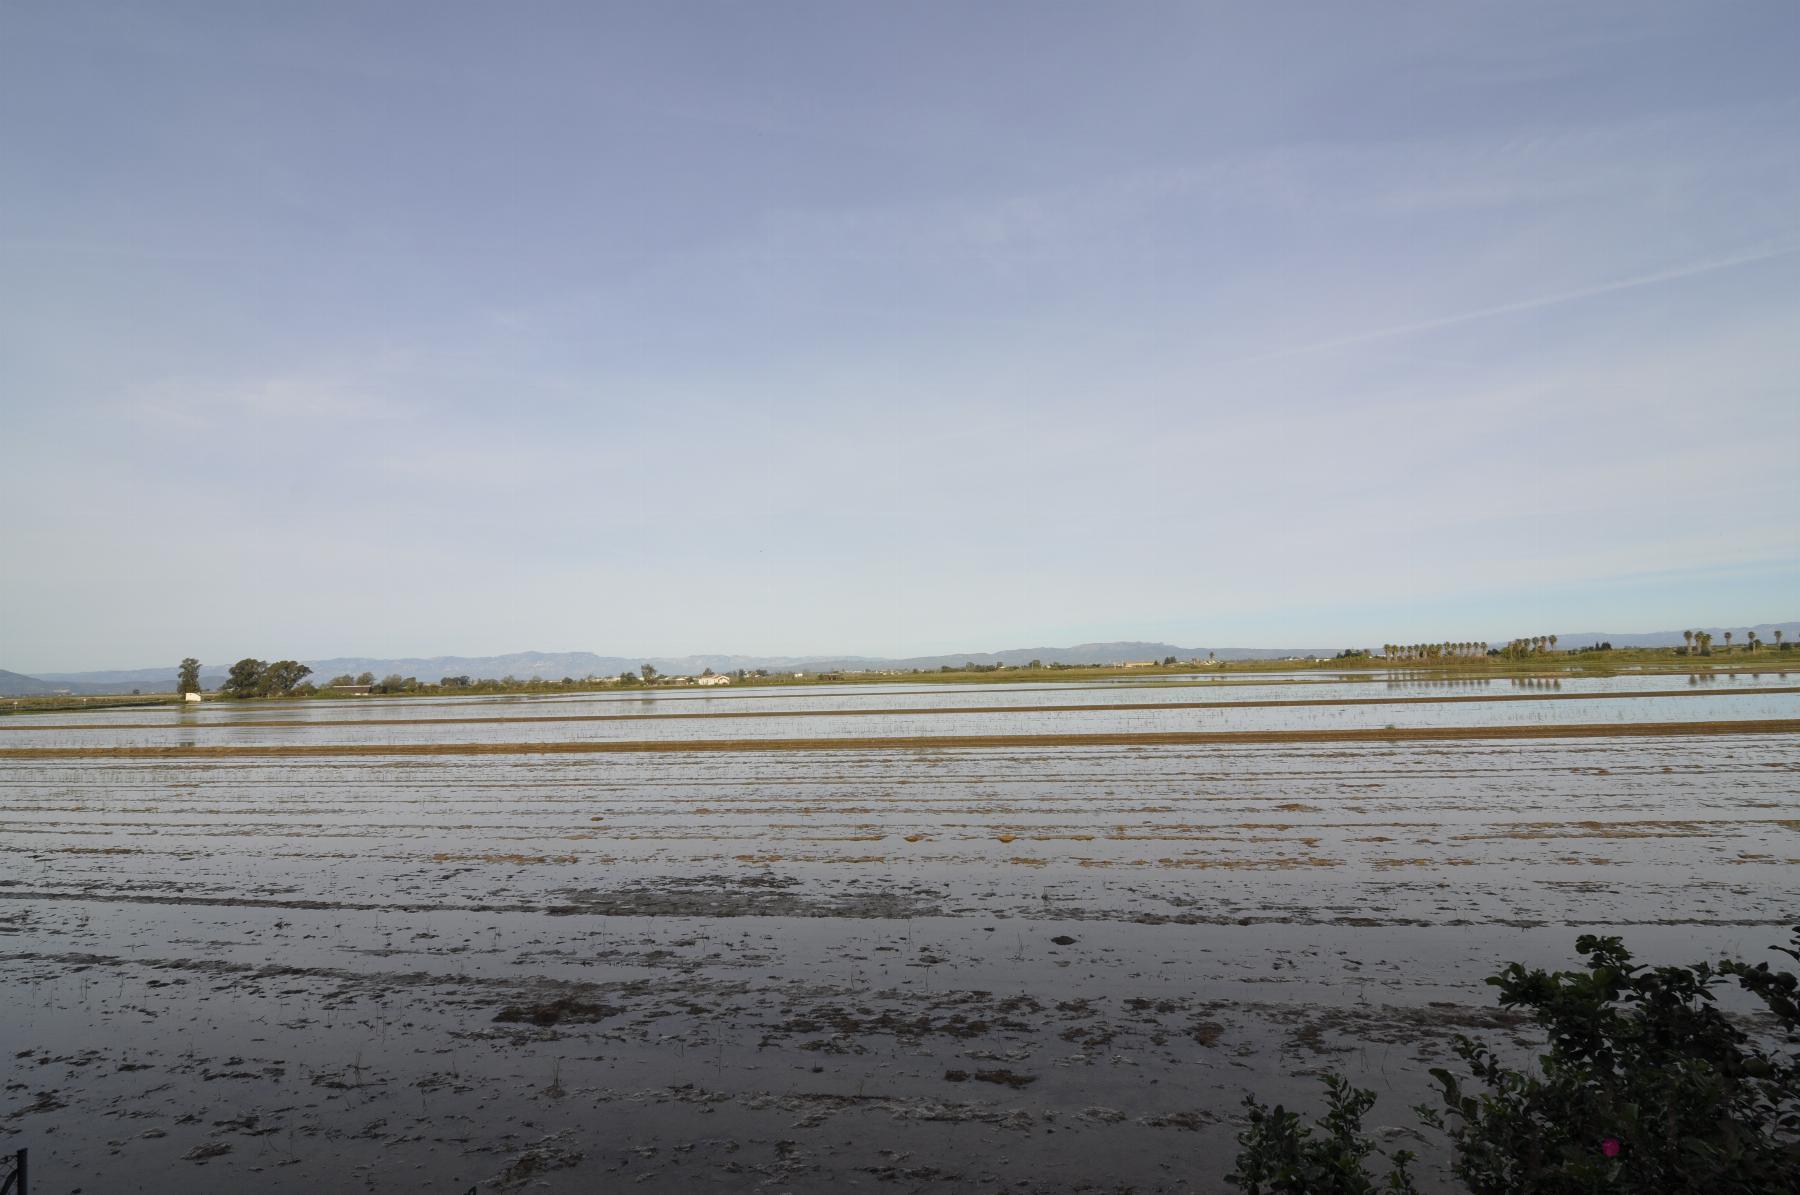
(1279, 1157)
(1646, 1086)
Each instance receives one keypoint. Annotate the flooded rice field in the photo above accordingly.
(410, 944)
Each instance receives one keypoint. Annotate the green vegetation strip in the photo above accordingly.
(1764, 726)
(917, 710)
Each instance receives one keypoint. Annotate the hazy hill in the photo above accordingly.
(150, 680)
(17, 684)
(580, 663)
(1790, 631)
(554, 665)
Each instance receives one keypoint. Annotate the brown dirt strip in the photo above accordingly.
(1108, 707)
(1432, 734)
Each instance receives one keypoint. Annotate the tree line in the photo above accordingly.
(250, 677)
(1700, 642)
(1467, 649)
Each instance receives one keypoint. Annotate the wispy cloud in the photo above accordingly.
(1536, 302)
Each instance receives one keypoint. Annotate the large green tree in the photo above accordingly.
(255, 678)
(245, 678)
(280, 677)
(188, 679)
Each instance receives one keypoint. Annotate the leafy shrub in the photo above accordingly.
(1646, 1086)
(1279, 1157)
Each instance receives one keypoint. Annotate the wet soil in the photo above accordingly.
(1391, 734)
(1038, 967)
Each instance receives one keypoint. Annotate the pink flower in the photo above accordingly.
(1610, 1147)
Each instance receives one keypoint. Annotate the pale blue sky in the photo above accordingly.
(399, 329)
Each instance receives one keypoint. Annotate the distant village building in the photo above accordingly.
(717, 678)
(192, 697)
(1138, 664)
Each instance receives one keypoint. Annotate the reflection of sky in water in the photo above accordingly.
(1705, 706)
(688, 701)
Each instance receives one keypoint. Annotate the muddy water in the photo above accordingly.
(1030, 968)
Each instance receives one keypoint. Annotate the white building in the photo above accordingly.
(717, 678)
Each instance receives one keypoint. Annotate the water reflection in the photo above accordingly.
(1439, 682)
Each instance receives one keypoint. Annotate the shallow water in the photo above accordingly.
(286, 973)
(688, 701)
(967, 710)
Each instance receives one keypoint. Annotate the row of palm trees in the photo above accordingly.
(1530, 645)
(1703, 640)
(1700, 641)
(1432, 651)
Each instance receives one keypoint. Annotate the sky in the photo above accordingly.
(788, 328)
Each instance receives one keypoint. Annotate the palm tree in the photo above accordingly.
(1754, 641)
(1727, 642)
(1689, 636)
(1553, 643)
(1777, 638)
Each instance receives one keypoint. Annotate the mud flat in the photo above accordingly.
(1018, 962)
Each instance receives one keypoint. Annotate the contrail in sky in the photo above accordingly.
(1567, 296)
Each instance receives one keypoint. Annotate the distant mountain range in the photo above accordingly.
(579, 664)
(14, 684)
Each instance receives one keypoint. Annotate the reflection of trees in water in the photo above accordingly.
(1419, 680)
(1434, 680)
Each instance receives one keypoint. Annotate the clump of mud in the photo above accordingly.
(549, 1153)
(1005, 1078)
(555, 1012)
(759, 894)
